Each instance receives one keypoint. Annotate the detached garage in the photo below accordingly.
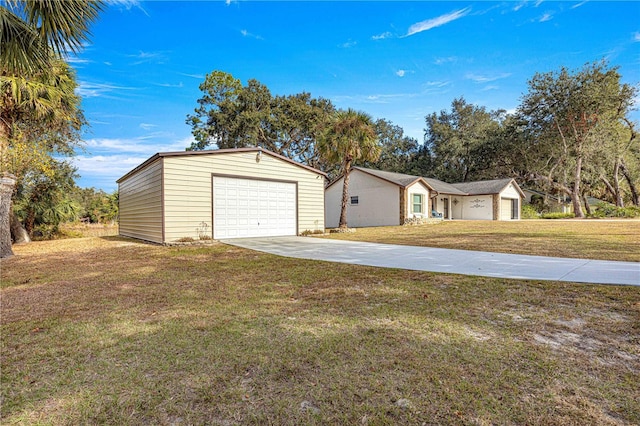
(228, 193)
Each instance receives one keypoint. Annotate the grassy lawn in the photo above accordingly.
(110, 331)
(588, 239)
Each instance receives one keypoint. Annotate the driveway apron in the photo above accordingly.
(497, 265)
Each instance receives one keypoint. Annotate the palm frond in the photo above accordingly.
(23, 51)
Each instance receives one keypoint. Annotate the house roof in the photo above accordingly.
(444, 187)
(217, 152)
(399, 179)
(485, 187)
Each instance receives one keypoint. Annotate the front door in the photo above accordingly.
(446, 208)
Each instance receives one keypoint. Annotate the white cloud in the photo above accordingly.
(575, 6)
(116, 165)
(636, 36)
(437, 83)
(485, 78)
(92, 90)
(128, 4)
(179, 85)
(348, 44)
(519, 6)
(437, 22)
(382, 36)
(400, 73)
(246, 33)
(72, 59)
(441, 61)
(140, 145)
(196, 76)
(546, 17)
(147, 126)
(148, 57)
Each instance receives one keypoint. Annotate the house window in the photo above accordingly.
(417, 203)
(354, 200)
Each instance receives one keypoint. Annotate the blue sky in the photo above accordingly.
(140, 73)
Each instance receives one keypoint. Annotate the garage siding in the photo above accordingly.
(188, 189)
(140, 204)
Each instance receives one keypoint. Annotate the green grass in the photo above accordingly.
(588, 239)
(110, 331)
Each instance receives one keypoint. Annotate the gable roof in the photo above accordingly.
(217, 152)
(485, 187)
(444, 187)
(399, 179)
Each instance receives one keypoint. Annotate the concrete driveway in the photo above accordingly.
(498, 265)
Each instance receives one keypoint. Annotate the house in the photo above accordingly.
(548, 202)
(560, 203)
(227, 193)
(379, 198)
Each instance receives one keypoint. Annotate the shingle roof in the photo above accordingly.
(483, 187)
(444, 187)
(397, 178)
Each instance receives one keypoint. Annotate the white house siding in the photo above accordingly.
(378, 202)
(188, 189)
(506, 196)
(477, 207)
(510, 192)
(140, 202)
(456, 206)
(417, 188)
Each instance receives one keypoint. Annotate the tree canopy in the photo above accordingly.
(39, 112)
(231, 115)
(573, 124)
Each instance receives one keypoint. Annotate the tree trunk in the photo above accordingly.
(18, 233)
(609, 187)
(345, 194)
(616, 183)
(575, 193)
(635, 196)
(7, 183)
(586, 204)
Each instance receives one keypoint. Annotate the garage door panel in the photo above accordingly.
(251, 207)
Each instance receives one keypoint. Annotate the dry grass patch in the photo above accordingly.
(107, 330)
(588, 239)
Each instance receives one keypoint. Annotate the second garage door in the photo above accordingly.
(253, 208)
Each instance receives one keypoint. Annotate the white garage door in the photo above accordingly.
(253, 208)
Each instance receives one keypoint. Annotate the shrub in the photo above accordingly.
(609, 210)
(529, 212)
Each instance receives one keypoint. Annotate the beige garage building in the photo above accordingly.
(227, 193)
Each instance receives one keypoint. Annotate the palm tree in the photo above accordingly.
(350, 136)
(34, 35)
